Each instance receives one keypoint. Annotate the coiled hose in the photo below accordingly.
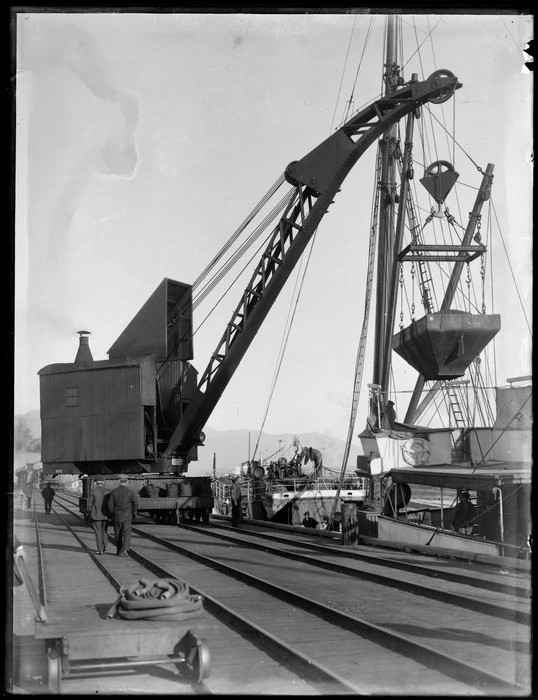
(162, 599)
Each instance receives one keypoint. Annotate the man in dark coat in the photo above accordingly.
(98, 513)
(309, 521)
(48, 494)
(235, 496)
(123, 506)
(389, 416)
(464, 515)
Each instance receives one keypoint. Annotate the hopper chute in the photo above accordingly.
(442, 345)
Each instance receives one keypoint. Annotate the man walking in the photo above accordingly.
(48, 494)
(123, 505)
(99, 514)
(28, 492)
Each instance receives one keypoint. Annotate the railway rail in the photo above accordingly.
(320, 619)
(448, 586)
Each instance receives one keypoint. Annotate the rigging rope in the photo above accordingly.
(343, 72)
(492, 304)
(455, 141)
(506, 427)
(425, 40)
(285, 338)
(361, 351)
(350, 101)
(511, 270)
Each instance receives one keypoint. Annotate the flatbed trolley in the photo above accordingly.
(83, 640)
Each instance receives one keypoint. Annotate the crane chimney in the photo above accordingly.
(84, 354)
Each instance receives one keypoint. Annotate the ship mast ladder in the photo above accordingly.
(455, 406)
(424, 275)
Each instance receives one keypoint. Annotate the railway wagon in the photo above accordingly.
(165, 498)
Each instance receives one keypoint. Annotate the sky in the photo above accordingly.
(144, 140)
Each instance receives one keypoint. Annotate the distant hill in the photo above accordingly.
(230, 447)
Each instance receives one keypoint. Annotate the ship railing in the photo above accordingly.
(316, 485)
(221, 491)
(252, 490)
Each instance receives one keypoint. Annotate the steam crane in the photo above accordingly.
(143, 410)
(317, 178)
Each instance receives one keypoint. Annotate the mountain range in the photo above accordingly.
(228, 448)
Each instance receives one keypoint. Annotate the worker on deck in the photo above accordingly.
(324, 524)
(464, 515)
(389, 416)
(309, 521)
(235, 496)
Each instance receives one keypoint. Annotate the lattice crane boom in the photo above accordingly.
(317, 178)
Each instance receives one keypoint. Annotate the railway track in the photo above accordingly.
(468, 572)
(332, 623)
(473, 591)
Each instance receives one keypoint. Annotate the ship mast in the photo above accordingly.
(387, 194)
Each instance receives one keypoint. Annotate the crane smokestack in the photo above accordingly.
(84, 354)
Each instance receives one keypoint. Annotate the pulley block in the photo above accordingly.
(446, 93)
(439, 178)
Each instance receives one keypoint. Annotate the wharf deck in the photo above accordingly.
(77, 599)
(80, 588)
(78, 595)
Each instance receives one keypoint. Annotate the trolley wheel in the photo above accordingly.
(198, 659)
(54, 667)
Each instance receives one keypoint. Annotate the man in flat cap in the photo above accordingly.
(99, 514)
(123, 506)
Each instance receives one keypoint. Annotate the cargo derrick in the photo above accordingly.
(142, 412)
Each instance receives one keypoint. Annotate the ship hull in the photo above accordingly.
(287, 501)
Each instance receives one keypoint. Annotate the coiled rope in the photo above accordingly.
(159, 600)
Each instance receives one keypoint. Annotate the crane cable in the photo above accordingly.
(293, 304)
(284, 342)
(238, 231)
(361, 350)
(226, 267)
(232, 283)
(183, 304)
(209, 286)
